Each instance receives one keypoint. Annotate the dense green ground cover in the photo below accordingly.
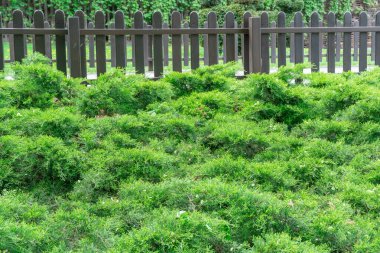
(196, 162)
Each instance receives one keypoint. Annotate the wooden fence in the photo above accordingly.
(262, 44)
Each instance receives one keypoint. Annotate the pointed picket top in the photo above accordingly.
(314, 16)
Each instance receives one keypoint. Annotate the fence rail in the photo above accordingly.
(259, 43)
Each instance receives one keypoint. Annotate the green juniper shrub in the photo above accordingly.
(36, 85)
(116, 93)
(6, 99)
(57, 122)
(196, 162)
(284, 243)
(27, 161)
(21, 236)
(104, 172)
(110, 94)
(174, 230)
(205, 104)
(363, 111)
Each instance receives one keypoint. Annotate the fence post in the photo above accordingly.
(331, 44)
(363, 21)
(377, 41)
(347, 43)
(139, 44)
(314, 43)
(74, 44)
(265, 44)
(254, 45)
(19, 39)
(82, 25)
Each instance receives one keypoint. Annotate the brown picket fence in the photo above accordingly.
(262, 45)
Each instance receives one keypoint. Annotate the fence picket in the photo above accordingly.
(1, 46)
(373, 49)
(236, 37)
(186, 46)
(176, 43)
(213, 54)
(246, 50)
(205, 46)
(19, 39)
(48, 52)
(363, 51)
(82, 25)
(356, 42)
(194, 41)
(11, 44)
(91, 46)
(157, 44)
(347, 43)
(298, 40)
(377, 41)
(165, 41)
(281, 40)
(338, 41)
(75, 47)
(101, 63)
(273, 39)
(331, 44)
(265, 65)
(39, 39)
(139, 44)
(291, 45)
(113, 46)
(230, 38)
(254, 42)
(150, 50)
(314, 43)
(120, 41)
